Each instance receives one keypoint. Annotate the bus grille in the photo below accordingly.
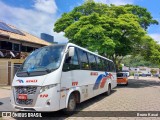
(31, 91)
(25, 90)
(25, 102)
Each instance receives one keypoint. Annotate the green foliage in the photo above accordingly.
(120, 67)
(113, 31)
(138, 60)
(153, 71)
(150, 50)
(145, 18)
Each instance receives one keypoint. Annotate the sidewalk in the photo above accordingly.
(146, 78)
(5, 87)
(5, 92)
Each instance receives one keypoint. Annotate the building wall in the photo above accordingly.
(47, 37)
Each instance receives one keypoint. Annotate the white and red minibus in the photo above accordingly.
(60, 76)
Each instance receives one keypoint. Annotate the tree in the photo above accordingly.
(113, 31)
(138, 60)
(148, 54)
(149, 49)
(153, 71)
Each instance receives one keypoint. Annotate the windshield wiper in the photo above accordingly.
(27, 73)
(34, 73)
(47, 70)
(23, 74)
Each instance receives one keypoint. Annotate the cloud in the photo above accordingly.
(116, 2)
(36, 20)
(48, 6)
(156, 37)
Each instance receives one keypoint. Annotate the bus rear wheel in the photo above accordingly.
(126, 84)
(109, 90)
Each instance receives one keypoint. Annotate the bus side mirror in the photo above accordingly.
(71, 51)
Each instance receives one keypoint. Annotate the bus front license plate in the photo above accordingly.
(22, 96)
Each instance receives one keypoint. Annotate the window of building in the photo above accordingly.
(24, 48)
(30, 49)
(0, 45)
(6, 45)
(16, 47)
(92, 62)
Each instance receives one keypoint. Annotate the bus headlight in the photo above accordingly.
(47, 87)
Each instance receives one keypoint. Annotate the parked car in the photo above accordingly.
(144, 75)
(122, 78)
(156, 75)
(148, 74)
(127, 72)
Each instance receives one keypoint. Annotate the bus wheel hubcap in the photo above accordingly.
(72, 104)
(109, 91)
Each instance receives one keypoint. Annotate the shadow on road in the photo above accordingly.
(140, 83)
(5, 104)
(93, 100)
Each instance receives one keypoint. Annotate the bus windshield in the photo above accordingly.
(43, 59)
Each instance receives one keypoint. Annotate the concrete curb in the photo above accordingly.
(5, 87)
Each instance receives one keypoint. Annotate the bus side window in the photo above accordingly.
(71, 63)
(114, 67)
(83, 59)
(110, 66)
(100, 64)
(106, 65)
(92, 61)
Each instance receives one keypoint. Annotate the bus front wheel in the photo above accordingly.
(71, 105)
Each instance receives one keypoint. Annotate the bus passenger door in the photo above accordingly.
(66, 80)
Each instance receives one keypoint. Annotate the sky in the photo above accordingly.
(39, 16)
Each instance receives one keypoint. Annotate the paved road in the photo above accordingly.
(4, 99)
(139, 95)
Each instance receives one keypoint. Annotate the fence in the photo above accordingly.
(7, 71)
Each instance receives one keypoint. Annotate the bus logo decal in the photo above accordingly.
(94, 73)
(31, 81)
(20, 81)
(101, 80)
